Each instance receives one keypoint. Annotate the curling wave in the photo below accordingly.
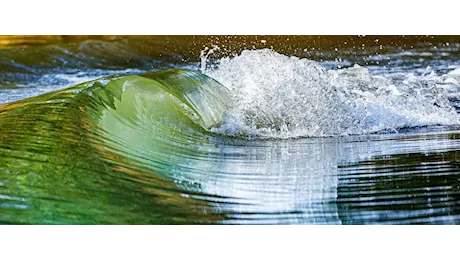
(155, 147)
(122, 140)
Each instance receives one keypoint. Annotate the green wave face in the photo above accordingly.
(177, 99)
(104, 151)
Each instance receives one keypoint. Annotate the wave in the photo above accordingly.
(67, 155)
(264, 94)
(271, 95)
(159, 148)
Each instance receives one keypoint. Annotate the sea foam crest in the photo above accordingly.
(276, 96)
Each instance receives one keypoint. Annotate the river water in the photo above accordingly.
(230, 130)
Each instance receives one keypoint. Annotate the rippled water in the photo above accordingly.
(261, 130)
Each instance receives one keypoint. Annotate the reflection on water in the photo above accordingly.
(136, 149)
(408, 181)
(371, 179)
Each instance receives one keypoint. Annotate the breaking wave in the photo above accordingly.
(277, 96)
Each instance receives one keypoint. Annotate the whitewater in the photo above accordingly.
(280, 96)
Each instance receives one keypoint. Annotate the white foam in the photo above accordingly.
(276, 96)
(455, 72)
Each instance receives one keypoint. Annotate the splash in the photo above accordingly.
(276, 96)
(205, 54)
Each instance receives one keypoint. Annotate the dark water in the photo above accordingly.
(257, 139)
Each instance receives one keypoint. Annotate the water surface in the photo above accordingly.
(260, 130)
